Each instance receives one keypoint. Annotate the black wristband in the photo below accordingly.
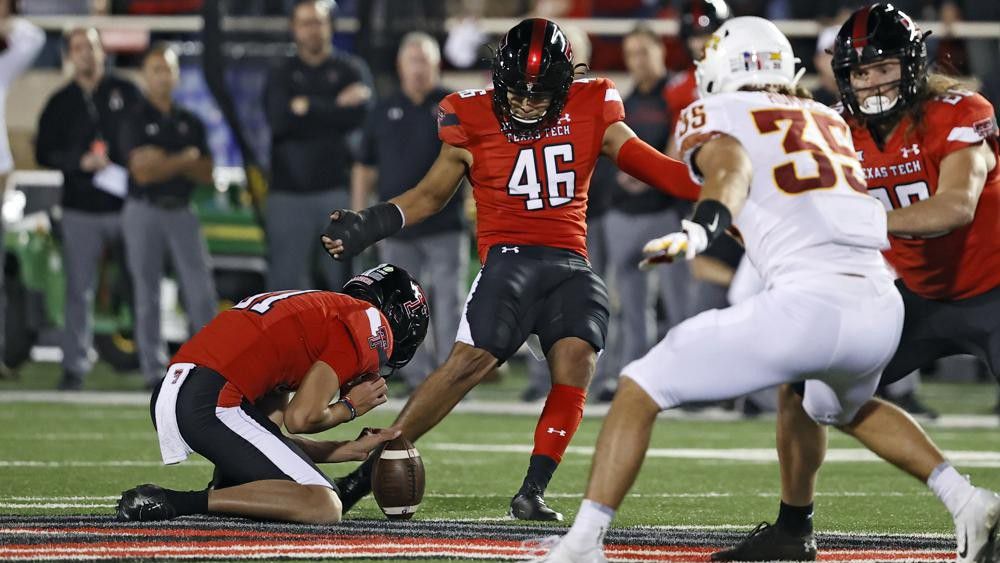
(350, 406)
(713, 216)
(381, 221)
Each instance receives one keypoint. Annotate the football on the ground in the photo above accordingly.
(398, 479)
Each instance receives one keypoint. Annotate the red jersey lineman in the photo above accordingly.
(529, 147)
(225, 396)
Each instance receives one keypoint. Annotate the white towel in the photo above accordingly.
(173, 448)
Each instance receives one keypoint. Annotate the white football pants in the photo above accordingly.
(836, 332)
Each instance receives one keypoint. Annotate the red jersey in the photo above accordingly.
(964, 262)
(681, 91)
(270, 340)
(532, 191)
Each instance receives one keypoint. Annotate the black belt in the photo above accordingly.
(164, 201)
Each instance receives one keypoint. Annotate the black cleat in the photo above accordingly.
(143, 504)
(354, 486)
(770, 543)
(530, 505)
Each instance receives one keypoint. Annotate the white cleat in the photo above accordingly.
(977, 528)
(561, 552)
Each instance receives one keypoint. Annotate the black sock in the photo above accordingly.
(188, 502)
(540, 470)
(366, 468)
(796, 520)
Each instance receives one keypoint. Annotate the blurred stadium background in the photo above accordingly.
(77, 451)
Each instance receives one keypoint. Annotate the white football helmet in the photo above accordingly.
(746, 50)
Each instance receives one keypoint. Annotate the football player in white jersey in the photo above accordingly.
(782, 169)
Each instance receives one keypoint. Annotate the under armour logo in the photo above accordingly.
(861, 156)
(554, 431)
(530, 87)
(506, 249)
(563, 119)
(913, 149)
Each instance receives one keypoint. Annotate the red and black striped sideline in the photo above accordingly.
(41, 538)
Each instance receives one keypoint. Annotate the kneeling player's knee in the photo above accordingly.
(323, 506)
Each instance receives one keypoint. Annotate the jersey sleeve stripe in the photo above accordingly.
(374, 320)
(965, 135)
(612, 95)
(448, 119)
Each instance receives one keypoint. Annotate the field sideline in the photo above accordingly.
(707, 480)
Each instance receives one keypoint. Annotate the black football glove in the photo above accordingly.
(358, 231)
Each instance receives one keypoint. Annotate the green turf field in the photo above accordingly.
(76, 459)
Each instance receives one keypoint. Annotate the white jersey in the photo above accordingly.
(807, 209)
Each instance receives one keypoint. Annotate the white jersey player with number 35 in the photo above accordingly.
(809, 228)
(783, 171)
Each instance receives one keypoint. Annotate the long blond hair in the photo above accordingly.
(796, 91)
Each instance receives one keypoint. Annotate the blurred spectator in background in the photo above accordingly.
(313, 101)
(78, 134)
(699, 19)
(382, 25)
(168, 157)
(639, 211)
(21, 44)
(399, 144)
(826, 91)
(983, 54)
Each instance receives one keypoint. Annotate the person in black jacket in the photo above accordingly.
(399, 145)
(78, 135)
(313, 101)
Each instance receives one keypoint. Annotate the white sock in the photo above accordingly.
(590, 525)
(952, 488)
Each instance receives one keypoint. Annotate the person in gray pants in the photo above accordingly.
(639, 211)
(399, 144)
(78, 135)
(313, 102)
(168, 157)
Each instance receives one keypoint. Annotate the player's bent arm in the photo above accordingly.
(437, 187)
(349, 233)
(961, 180)
(641, 161)
(727, 172)
(310, 410)
(727, 177)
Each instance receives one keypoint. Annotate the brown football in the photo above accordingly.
(398, 479)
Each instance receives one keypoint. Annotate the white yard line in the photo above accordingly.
(472, 406)
(835, 455)
(964, 458)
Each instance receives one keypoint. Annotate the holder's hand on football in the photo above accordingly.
(691, 241)
(368, 394)
(368, 440)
